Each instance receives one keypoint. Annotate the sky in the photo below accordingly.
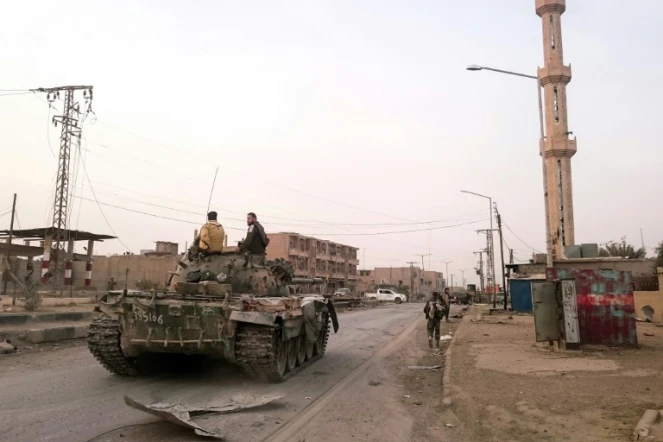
(345, 120)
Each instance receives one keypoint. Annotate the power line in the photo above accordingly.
(304, 234)
(518, 238)
(101, 210)
(14, 93)
(188, 154)
(458, 218)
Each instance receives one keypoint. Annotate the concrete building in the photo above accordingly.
(313, 257)
(167, 248)
(558, 147)
(426, 281)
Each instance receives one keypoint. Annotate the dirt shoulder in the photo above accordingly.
(388, 401)
(507, 387)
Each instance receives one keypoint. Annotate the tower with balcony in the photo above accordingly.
(558, 146)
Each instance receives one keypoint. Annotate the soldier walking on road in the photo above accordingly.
(446, 303)
(434, 311)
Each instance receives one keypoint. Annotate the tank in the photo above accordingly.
(230, 306)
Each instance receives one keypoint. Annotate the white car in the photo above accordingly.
(341, 292)
(387, 295)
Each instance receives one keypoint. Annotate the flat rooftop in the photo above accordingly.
(41, 233)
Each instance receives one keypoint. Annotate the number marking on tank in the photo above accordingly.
(147, 317)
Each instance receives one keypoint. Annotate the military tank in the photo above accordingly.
(231, 306)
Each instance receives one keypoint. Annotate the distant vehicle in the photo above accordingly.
(387, 295)
(460, 298)
(341, 292)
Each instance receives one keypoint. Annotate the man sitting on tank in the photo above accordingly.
(256, 240)
(211, 235)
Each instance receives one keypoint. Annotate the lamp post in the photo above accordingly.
(492, 243)
(474, 67)
(446, 269)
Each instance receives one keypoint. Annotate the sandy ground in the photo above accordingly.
(384, 400)
(507, 388)
(60, 393)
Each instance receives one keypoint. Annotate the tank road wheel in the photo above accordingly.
(282, 356)
(292, 353)
(301, 349)
(323, 336)
(310, 348)
(262, 353)
(104, 343)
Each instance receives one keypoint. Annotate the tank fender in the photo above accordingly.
(311, 324)
(113, 310)
(292, 327)
(260, 318)
(332, 314)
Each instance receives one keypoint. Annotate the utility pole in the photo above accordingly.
(490, 263)
(462, 277)
(499, 229)
(423, 268)
(71, 124)
(412, 263)
(446, 269)
(9, 251)
(510, 256)
(480, 270)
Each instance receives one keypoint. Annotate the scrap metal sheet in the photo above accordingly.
(181, 414)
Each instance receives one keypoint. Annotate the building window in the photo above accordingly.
(560, 202)
(552, 32)
(555, 104)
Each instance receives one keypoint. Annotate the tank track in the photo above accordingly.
(257, 353)
(104, 343)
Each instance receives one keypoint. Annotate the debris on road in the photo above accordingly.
(374, 383)
(423, 367)
(649, 334)
(449, 425)
(445, 338)
(180, 414)
(643, 428)
(417, 402)
(7, 347)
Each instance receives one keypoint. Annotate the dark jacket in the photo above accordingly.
(438, 308)
(256, 240)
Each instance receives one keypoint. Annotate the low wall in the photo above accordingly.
(652, 299)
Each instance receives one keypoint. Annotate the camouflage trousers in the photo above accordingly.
(433, 326)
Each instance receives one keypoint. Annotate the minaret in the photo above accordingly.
(558, 147)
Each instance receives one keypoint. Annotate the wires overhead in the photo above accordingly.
(100, 209)
(518, 238)
(272, 183)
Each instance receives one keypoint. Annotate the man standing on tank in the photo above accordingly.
(256, 240)
(212, 235)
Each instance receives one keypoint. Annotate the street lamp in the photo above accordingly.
(492, 243)
(474, 67)
(446, 269)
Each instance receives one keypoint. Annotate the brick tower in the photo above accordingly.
(558, 146)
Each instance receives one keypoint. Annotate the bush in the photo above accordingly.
(146, 284)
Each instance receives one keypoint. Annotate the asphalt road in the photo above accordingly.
(65, 395)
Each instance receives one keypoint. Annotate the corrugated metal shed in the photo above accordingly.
(606, 309)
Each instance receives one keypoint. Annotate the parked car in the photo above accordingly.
(387, 295)
(341, 292)
(460, 298)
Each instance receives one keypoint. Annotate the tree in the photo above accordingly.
(659, 255)
(622, 250)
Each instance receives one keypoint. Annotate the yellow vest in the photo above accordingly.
(211, 237)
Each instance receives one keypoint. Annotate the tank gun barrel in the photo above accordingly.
(303, 281)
